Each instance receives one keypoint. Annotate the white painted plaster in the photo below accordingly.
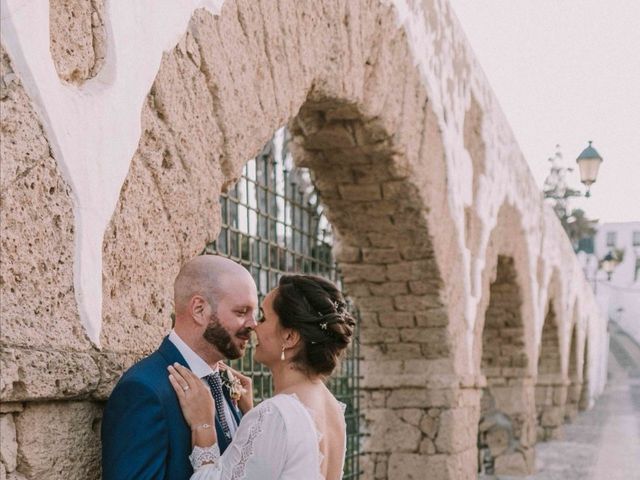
(94, 129)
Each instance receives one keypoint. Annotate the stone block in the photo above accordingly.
(458, 430)
(77, 38)
(11, 407)
(380, 255)
(8, 443)
(389, 289)
(32, 374)
(60, 441)
(416, 303)
(552, 416)
(360, 192)
(433, 317)
(429, 426)
(516, 463)
(397, 319)
(389, 433)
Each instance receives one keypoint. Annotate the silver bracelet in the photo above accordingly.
(202, 426)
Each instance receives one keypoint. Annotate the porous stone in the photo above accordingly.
(37, 239)
(60, 441)
(8, 445)
(78, 40)
(29, 374)
(389, 433)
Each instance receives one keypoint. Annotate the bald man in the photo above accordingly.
(144, 435)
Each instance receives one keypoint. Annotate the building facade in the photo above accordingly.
(619, 295)
(124, 122)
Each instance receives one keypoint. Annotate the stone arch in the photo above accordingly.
(502, 349)
(551, 386)
(370, 138)
(585, 392)
(574, 372)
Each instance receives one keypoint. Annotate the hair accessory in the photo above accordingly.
(323, 325)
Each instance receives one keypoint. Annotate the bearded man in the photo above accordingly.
(144, 435)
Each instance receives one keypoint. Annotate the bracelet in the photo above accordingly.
(202, 426)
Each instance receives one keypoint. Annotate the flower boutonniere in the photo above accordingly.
(236, 390)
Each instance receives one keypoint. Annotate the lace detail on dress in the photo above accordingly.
(239, 470)
(204, 456)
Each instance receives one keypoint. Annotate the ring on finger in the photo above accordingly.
(185, 387)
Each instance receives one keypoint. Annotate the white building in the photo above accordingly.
(619, 296)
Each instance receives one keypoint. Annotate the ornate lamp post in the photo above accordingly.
(609, 263)
(589, 163)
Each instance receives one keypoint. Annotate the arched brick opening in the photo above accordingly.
(585, 400)
(551, 390)
(574, 372)
(411, 402)
(373, 145)
(507, 423)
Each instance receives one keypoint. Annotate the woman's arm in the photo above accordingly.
(197, 405)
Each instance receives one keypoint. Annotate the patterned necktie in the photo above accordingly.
(216, 390)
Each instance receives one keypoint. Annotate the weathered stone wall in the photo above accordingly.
(444, 242)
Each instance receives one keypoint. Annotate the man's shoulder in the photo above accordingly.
(147, 372)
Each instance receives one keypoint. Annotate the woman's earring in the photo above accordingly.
(282, 354)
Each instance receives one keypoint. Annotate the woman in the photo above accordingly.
(300, 432)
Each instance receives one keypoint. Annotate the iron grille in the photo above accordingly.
(273, 223)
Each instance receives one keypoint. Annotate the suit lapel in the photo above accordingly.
(170, 353)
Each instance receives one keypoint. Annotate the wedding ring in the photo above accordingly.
(185, 388)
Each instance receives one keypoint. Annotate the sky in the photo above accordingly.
(566, 72)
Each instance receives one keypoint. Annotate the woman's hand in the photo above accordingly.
(245, 401)
(195, 398)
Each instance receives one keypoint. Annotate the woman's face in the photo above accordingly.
(268, 332)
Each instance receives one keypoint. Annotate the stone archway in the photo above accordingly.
(585, 393)
(551, 388)
(369, 138)
(506, 417)
(574, 372)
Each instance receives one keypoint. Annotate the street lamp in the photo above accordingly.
(608, 264)
(589, 162)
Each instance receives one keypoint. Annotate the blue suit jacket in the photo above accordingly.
(144, 435)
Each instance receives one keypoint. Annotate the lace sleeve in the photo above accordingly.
(256, 451)
(204, 456)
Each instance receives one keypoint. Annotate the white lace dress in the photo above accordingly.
(278, 439)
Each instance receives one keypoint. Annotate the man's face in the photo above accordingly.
(232, 321)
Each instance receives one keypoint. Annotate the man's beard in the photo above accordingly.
(220, 338)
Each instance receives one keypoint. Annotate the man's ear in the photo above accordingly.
(197, 309)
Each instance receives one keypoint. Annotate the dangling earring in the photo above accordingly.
(282, 354)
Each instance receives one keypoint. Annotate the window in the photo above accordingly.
(636, 239)
(636, 274)
(611, 239)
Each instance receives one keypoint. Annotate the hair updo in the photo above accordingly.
(315, 308)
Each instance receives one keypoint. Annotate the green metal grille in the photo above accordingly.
(272, 223)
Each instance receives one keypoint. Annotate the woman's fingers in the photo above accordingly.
(187, 375)
(180, 391)
(179, 378)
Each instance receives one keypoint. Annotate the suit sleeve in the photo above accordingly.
(134, 434)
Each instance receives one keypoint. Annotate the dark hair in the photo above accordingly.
(314, 307)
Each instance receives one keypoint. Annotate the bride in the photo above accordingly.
(300, 432)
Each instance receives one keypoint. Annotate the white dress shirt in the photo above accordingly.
(201, 368)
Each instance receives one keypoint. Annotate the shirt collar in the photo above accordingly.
(195, 362)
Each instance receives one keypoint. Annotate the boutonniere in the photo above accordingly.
(236, 390)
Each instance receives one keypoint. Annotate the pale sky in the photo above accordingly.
(565, 72)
